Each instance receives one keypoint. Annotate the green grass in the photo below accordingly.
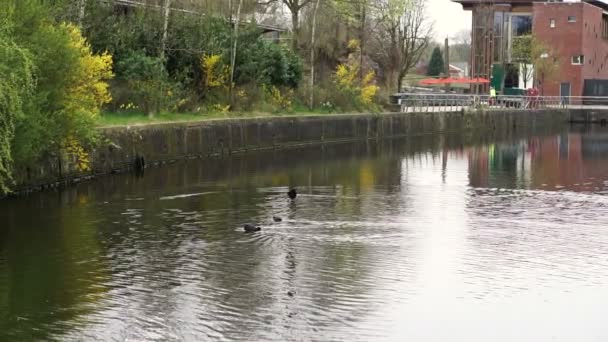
(107, 119)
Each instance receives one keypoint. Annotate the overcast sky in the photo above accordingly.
(449, 17)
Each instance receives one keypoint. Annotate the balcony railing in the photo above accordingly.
(416, 102)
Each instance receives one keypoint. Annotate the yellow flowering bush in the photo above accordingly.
(347, 81)
(75, 150)
(280, 101)
(217, 74)
(88, 89)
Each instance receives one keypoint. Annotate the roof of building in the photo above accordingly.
(469, 4)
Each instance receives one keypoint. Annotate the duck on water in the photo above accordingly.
(250, 228)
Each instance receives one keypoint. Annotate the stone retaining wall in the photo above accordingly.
(161, 143)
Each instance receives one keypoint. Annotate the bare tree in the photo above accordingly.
(402, 34)
(460, 49)
(357, 12)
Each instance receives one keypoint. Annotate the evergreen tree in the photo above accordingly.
(436, 65)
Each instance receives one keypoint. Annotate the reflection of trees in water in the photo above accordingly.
(52, 270)
(185, 262)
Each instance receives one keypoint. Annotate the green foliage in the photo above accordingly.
(62, 104)
(15, 85)
(521, 54)
(268, 63)
(522, 49)
(546, 61)
(136, 65)
(436, 64)
(146, 81)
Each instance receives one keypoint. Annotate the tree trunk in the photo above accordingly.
(234, 50)
(362, 38)
(400, 77)
(312, 56)
(295, 26)
(163, 42)
(81, 12)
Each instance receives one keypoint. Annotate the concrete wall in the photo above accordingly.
(161, 143)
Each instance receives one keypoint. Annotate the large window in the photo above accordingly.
(499, 36)
(521, 25)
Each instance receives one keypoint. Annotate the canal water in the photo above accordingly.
(427, 239)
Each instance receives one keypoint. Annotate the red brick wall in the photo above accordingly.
(595, 47)
(566, 39)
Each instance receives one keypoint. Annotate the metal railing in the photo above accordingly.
(417, 102)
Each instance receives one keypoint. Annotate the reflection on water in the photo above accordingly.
(421, 239)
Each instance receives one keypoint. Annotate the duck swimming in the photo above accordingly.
(293, 193)
(249, 228)
(277, 219)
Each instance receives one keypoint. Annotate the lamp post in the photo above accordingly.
(543, 56)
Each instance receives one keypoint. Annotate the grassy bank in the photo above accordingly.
(109, 119)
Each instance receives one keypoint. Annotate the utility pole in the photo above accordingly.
(447, 62)
(312, 56)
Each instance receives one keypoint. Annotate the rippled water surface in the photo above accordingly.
(427, 239)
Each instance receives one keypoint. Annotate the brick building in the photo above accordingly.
(576, 33)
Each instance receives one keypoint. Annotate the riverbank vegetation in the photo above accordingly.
(68, 66)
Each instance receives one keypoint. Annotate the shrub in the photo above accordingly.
(146, 80)
(70, 82)
(360, 92)
(15, 84)
(268, 63)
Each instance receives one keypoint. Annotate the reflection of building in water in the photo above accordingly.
(575, 161)
(500, 165)
(595, 146)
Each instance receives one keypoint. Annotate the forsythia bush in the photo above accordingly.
(368, 89)
(75, 150)
(347, 80)
(280, 101)
(88, 90)
(217, 74)
(52, 86)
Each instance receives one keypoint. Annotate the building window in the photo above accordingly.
(571, 19)
(604, 27)
(578, 60)
(552, 23)
(521, 25)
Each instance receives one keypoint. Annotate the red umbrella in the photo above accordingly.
(430, 81)
(464, 80)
